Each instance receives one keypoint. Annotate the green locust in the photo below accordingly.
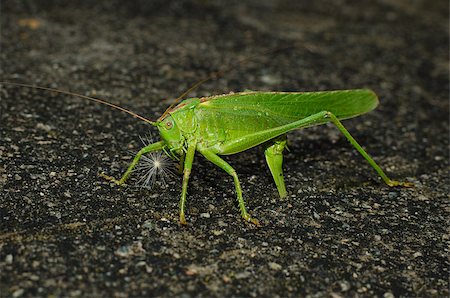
(232, 123)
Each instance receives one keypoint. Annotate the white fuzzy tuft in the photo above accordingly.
(155, 167)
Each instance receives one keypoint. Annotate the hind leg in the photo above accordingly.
(369, 159)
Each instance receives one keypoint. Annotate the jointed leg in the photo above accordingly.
(274, 158)
(180, 166)
(355, 144)
(152, 147)
(215, 159)
(188, 160)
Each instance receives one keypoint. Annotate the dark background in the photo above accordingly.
(341, 232)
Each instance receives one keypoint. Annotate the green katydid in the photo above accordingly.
(232, 123)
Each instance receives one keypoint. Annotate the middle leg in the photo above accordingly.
(188, 160)
(215, 159)
(274, 159)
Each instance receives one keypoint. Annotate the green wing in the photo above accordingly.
(293, 105)
(229, 117)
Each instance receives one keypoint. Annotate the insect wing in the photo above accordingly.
(230, 117)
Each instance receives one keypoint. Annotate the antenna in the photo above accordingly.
(101, 101)
(220, 73)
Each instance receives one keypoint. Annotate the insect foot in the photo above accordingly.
(183, 219)
(254, 221)
(112, 179)
(394, 183)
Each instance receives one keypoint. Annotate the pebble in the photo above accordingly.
(270, 79)
(392, 194)
(205, 215)
(417, 254)
(316, 215)
(275, 266)
(18, 293)
(242, 275)
(76, 293)
(148, 225)
(345, 286)
(217, 232)
(9, 259)
(422, 198)
(43, 127)
(134, 249)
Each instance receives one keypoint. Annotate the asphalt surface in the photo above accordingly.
(66, 232)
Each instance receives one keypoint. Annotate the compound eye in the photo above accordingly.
(169, 124)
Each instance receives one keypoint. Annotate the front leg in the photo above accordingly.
(147, 149)
(188, 160)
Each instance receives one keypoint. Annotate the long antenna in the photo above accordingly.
(101, 101)
(220, 73)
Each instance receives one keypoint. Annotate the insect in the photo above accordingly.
(231, 123)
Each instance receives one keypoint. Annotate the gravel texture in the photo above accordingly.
(66, 232)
